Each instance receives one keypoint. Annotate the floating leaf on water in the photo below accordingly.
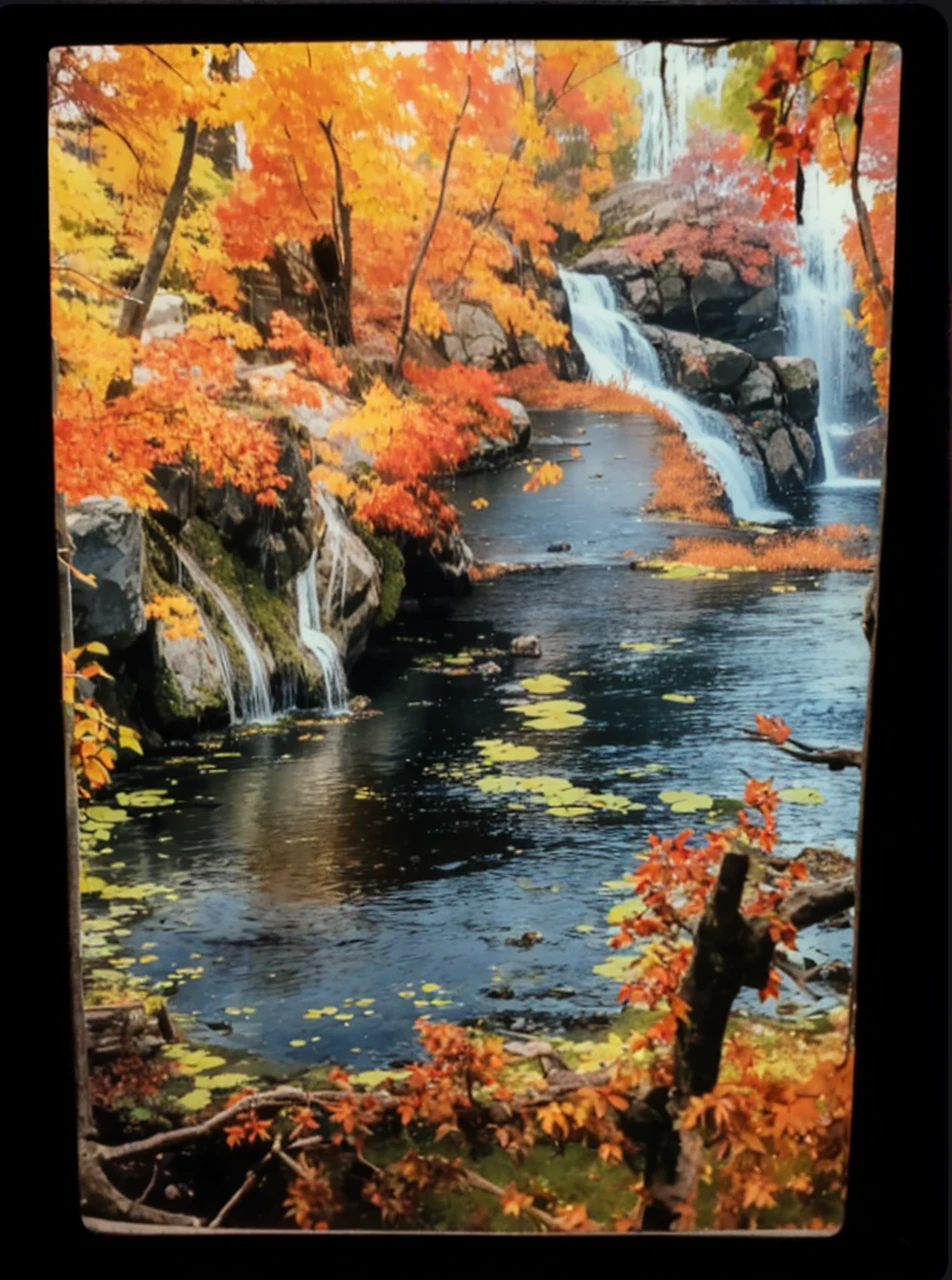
(500, 752)
(640, 646)
(579, 673)
(234, 1013)
(249, 1010)
(617, 968)
(686, 801)
(227, 1080)
(548, 707)
(801, 795)
(499, 784)
(430, 986)
(407, 995)
(441, 1003)
(584, 928)
(568, 811)
(374, 1079)
(195, 1100)
(368, 1000)
(623, 885)
(545, 684)
(630, 907)
(102, 813)
(678, 697)
(297, 1044)
(545, 723)
(421, 1004)
(343, 1017)
(91, 884)
(679, 571)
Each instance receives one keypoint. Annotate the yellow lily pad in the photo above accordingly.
(545, 684)
(678, 697)
(801, 795)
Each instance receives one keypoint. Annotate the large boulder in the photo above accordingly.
(188, 686)
(805, 449)
(801, 386)
(758, 312)
(177, 486)
(477, 337)
(644, 297)
(107, 537)
(716, 292)
(782, 462)
(757, 391)
(613, 261)
(166, 316)
(704, 364)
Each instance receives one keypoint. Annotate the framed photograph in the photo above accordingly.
(490, 651)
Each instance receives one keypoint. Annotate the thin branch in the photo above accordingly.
(113, 293)
(428, 236)
(483, 1184)
(835, 758)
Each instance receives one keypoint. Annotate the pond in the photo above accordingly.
(356, 870)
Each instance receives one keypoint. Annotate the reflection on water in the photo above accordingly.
(366, 863)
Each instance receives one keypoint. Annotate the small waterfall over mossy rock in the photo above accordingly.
(317, 642)
(617, 351)
(252, 697)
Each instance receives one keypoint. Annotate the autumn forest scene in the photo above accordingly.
(468, 463)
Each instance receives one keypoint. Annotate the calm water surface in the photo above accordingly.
(367, 864)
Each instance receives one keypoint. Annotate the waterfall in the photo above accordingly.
(318, 643)
(689, 73)
(255, 699)
(821, 288)
(336, 530)
(617, 351)
(223, 661)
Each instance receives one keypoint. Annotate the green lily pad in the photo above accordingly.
(801, 795)
(630, 907)
(195, 1100)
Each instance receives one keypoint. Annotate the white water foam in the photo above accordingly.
(318, 642)
(617, 351)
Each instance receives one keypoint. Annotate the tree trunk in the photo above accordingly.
(81, 1068)
(428, 236)
(136, 307)
(336, 292)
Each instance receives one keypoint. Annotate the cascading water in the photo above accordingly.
(335, 531)
(689, 73)
(617, 351)
(317, 642)
(255, 698)
(821, 289)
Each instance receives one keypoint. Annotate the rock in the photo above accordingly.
(838, 975)
(559, 546)
(177, 487)
(805, 449)
(501, 993)
(703, 363)
(758, 312)
(716, 292)
(782, 464)
(360, 702)
(526, 647)
(489, 668)
(644, 297)
(757, 390)
(477, 337)
(528, 939)
(765, 345)
(520, 416)
(613, 261)
(188, 687)
(801, 386)
(166, 317)
(675, 302)
(108, 541)
(766, 423)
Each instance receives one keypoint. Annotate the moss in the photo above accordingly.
(270, 614)
(393, 580)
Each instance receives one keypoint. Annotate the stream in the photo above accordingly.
(354, 868)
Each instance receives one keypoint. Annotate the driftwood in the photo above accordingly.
(835, 758)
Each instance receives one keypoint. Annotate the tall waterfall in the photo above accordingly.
(320, 644)
(821, 289)
(255, 698)
(617, 351)
(688, 74)
(336, 530)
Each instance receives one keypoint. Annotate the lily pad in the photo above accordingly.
(545, 684)
(195, 1100)
(548, 707)
(801, 795)
(545, 723)
(630, 907)
(678, 697)
(503, 752)
(617, 968)
(686, 801)
(639, 646)
(569, 811)
(374, 1079)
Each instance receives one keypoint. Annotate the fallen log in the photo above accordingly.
(126, 1031)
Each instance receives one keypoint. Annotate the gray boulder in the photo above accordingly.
(477, 337)
(613, 261)
(188, 687)
(758, 312)
(717, 287)
(166, 317)
(108, 542)
(801, 386)
(805, 449)
(757, 390)
(644, 297)
(782, 462)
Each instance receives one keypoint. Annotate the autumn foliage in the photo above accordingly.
(815, 549)
(538, 388)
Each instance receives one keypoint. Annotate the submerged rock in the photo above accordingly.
(526, 647)
(559, 546)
